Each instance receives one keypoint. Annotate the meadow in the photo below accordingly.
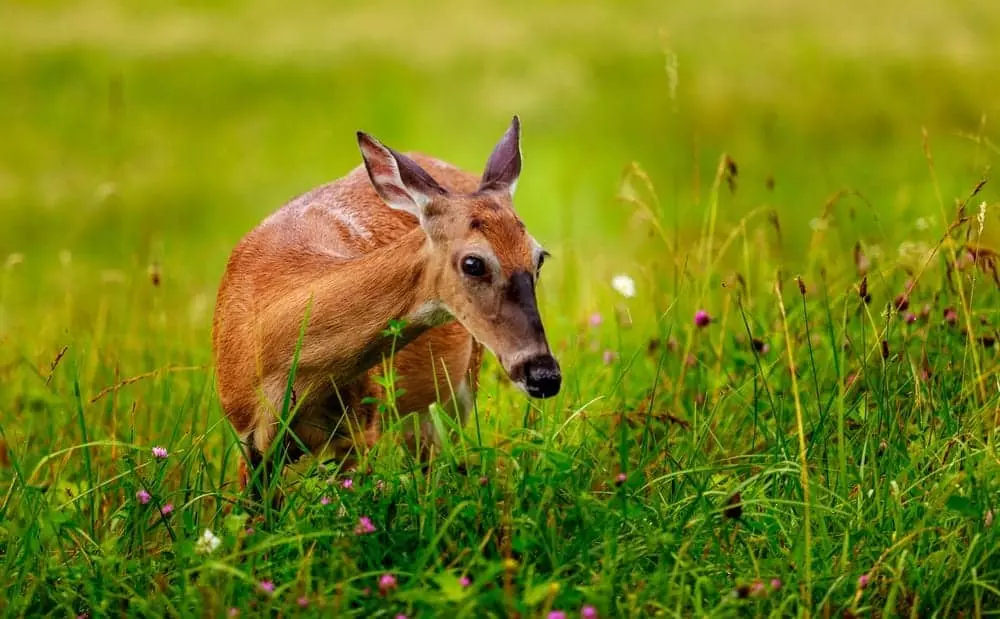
(795, 413)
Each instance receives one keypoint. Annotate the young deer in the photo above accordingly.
(402, 237)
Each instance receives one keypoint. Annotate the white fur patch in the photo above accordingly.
(430, 314)
(464, 400)
(352, 223)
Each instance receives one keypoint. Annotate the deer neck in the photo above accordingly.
(354, 322)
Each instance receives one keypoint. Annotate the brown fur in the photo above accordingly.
(356, 264)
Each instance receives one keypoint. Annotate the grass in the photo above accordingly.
(813, 451)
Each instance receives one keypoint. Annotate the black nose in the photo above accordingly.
(542, 377)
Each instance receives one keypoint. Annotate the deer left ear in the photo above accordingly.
(503, 168)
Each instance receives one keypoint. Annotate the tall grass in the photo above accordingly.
(825, 445)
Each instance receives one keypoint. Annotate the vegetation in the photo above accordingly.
(794, 412)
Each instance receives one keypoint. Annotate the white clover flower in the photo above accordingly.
(207, 543)
(624, 284)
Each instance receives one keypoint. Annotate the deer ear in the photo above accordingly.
(397, 179)
(503, 168)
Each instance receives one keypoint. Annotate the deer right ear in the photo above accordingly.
(397, 179)
(503, 168)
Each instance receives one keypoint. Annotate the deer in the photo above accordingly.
(405, 239)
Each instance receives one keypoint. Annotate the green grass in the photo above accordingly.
(779, 442)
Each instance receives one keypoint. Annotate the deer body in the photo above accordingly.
(401, 237)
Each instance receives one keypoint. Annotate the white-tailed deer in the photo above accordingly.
(402, 237)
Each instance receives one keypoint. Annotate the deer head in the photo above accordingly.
(482, 263)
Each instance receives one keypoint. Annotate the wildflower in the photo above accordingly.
(624, 285)
(249, 531)
(775, 583)
(557, 614)
(207, 543)
(159, 452)
(380, 485)
(910, 318)
(863, 581)
(465, 581)
(142, 496)
(596, 320)
(950, 315)
(702, 319)
(734, 507)
(401, 616)
(364, 526)
(483, 480)
(234, 612)
(387, 583)
(757, 588)
(167, 509)
(588, 612)
(325, 500)
(348, 484)
(620, 479)
(761, 346)
(266, 586)
(609, 356)
(303, 602)
(902, 303)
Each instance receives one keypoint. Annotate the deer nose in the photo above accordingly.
(542, 378)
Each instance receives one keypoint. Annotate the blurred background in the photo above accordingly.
(142, 139)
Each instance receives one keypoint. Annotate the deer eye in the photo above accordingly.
(473, 266)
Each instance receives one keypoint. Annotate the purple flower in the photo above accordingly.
(142, 496)
(950, 316)
(609, 356)
(557, 614)
(234, 612)
(266, 586)
(167, 509)
(348, 483)
(483, 480)
(160, 452)
(910, 318)
(364, 526)
(620, 479)
(702, 319)
(401, 616)
(303, 602)
(775, 583)
(588, 612)
(757, 588)
(863, 581)
(596, 319)
(324, 501)
(387, 583)
(249, 531)
(464, 581)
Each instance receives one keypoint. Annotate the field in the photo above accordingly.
(810, 180)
